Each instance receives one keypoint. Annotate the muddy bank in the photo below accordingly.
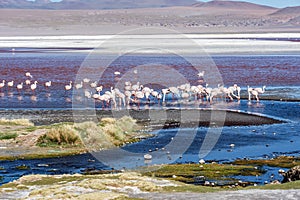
(161, 118)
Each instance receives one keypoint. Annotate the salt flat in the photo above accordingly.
(255, 43)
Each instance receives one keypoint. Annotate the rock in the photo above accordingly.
(275, 182)
(292, 175)
(202, 161)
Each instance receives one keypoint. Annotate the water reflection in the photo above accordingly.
(33, 98)
(20, 98)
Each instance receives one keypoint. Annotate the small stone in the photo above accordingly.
(202, 161)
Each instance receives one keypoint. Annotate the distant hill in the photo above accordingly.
(232, 5)
(92, 4)
(288, 11)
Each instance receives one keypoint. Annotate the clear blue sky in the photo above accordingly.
(274, 3)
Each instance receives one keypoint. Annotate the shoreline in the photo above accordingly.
(203, 117)
(149, 120)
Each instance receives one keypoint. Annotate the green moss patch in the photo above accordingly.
(188, 173)
(7, 136)
(281, 161)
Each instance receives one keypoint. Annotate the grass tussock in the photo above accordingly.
(7, 136)
(92, 136)
(21, 122)
(61, 135)
(109, 132)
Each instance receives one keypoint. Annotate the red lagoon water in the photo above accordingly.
(62, 67)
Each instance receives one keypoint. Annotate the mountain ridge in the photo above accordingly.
(92, 4)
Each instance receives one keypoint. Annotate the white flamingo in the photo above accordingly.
(105, 98)
(261, 90)
(255, 92)
(19, 87)
(33, 86)
(147, 91)
(2, 84)
(86, 80)
(136, 87)
(48, 84)
(87, 94)
(201, 74)
(121, 96)
(79, 85)
(112, 96)
(138, 95)
(99, 89)
(175, 91)
(165, 91)
(27, 74)
(68, 87)
(93, 84)
(128, 95)
(233, 89)
(27, 82)
(10, 84)
(215, 92)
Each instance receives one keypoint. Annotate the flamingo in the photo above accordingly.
(255, 92)
(226, 92)
(20, 87)
(48, 84)
(79, 85)
(201, 74)
(127, 85)
(235, 88)
(136, 86)
(68, 87)
(2, 84)
(112, 96)
(27, 82)
(128, 95)
(174, 91)
(215, 92)
(86, 80)
(99, 89)
(147, 91)
(165, 91)
(10, 83)
(93, 84)
(156, 95)
(87, 94)
(105, 98)
(261, 90)
(139, 95)
(121, 96)
(33, 86)
(27, 74)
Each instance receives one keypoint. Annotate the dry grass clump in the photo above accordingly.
(21, 122)
(61, 135)
(108, 133)
(93, 136)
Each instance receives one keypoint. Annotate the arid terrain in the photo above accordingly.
(211, 17)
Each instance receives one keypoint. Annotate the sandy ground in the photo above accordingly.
(238, 195)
